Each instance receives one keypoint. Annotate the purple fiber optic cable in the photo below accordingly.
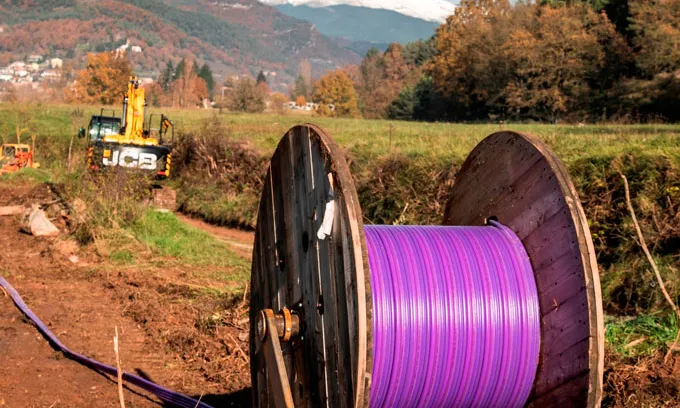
(456, 319)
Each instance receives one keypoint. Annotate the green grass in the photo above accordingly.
(123, 256)
(28, 174)
(643, 335)
(166, 235)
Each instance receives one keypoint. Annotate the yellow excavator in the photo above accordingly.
(126, 142)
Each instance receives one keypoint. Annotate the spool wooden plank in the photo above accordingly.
(517, 179)
(324, 280)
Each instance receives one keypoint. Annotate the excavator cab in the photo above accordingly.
(100, 127)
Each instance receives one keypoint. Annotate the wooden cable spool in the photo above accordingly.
(321, 274)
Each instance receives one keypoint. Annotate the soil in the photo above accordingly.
(168, 331)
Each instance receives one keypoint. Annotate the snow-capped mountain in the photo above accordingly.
(429, 10)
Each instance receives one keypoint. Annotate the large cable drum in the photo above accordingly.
(499, 306)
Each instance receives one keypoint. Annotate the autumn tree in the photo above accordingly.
(154, 94)
(336, 88)
(278, 102)
(554, 62)
(103, 81)
(656, 25)
(468, 69)
(305, 69)
(246, 97)
(384, 75)
(188, 90)
(300, 101)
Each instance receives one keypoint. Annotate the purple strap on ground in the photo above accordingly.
(166, 395)
(455, 317)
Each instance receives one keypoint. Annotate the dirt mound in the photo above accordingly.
(641, 382)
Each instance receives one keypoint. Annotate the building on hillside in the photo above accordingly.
(136, 48)
(33, 67)
(49, 76)
(146, 80)
(16, 66)
(56, 63)
(6, 78)
(34, 58)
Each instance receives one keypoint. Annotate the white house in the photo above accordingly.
(33, 67)
(16, 66)
(49, 75)
(5, 78)
(136, 48)
(56, 63)
(34, 58)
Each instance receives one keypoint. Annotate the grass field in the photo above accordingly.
(373, 137)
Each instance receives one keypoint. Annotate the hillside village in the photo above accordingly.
(34, 69)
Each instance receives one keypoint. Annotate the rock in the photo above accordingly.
(243, 336)
(74, 259)
(66, 248)
(78, 209)
(12, 210)
(36, 222)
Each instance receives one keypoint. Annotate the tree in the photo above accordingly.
(419, 52)
(179, 70)
(205, 73)
(246, 97)
(336, 88)
(103, 81)
(278, 102)
(306, 74)
(188, 89)
(300, 101)
(553, 64)
(656, 25)
(154, 94)
(300, 88)
(419, 102)
(468, 69)
(167, 76)
(261, 79)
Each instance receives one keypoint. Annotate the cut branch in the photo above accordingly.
(121, 397)
(643, 244)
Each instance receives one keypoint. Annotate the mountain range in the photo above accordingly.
(361, 28)
(428, 10)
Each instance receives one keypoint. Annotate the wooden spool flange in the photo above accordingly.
(510, 176)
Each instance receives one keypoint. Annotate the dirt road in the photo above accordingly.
(82, 302)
